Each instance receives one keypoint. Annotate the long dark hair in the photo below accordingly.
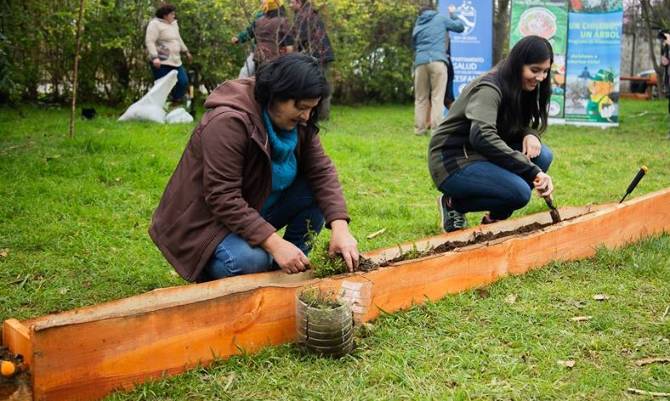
(294, 76)
(521, 109)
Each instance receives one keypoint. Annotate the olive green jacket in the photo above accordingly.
(470, 133)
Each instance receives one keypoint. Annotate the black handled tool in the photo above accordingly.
(553, 212)
(636, 180)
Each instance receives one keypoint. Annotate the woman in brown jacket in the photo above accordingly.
(253, 165)
(272, 33)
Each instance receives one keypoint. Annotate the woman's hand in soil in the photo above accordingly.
(342, 242)
(543, 184)
(288, 256)
(531, 146)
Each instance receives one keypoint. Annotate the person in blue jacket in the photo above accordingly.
(430, 65)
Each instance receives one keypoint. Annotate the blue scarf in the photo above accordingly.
(282, 155)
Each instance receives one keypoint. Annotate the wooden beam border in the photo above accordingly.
(86, 353)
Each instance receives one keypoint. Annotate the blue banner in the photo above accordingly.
(593, 64)
(471, 50)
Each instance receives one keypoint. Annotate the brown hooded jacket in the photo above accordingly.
(224, 178)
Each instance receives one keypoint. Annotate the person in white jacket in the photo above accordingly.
(165, 46)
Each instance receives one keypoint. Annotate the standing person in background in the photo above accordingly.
(272, 32)
(429, 38)
(164, 45)
(664, 37)
(244, 36)
(311, 38)
(487, 154)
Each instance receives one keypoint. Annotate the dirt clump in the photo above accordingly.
(477, 238)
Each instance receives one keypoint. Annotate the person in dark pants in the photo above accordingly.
(487, 154)
(272, 33)
(449, 96)
(164, 45)
(311, 38)
(253, 165)
(664, 37)
(247, 35)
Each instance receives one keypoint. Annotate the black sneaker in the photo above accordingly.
(452, 219)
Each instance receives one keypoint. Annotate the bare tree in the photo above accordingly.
(76, 66)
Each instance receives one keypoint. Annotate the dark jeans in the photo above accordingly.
(296, 209)
(484, 186)
(179, 89)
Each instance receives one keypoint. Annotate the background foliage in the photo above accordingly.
(371, 39)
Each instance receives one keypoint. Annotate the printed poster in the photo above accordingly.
(472, 49)
(593, 63)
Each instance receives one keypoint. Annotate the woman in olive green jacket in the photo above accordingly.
(487, 154)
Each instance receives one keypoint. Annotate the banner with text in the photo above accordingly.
(471, 50)
(593, 63)
(548, 19)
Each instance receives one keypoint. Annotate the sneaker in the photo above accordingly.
(451, 219)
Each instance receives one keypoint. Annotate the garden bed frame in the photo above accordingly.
(85, 354)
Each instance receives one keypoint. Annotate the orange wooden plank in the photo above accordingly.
(86, 353)
(88, 360)
(413, 282)
(16, 337)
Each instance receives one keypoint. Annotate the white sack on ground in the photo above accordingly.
(150, 107)
(178, 115)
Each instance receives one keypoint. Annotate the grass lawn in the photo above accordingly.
(73, 232)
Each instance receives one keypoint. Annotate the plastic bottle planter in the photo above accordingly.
(324, 325)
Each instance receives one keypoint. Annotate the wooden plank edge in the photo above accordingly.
(16, 337)
(179, 295)
(100, 356)
(170, 297)
(512, 246)
(512, 256)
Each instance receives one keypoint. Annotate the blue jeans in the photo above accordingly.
(484, 186)
(296, 209)
(179, 89)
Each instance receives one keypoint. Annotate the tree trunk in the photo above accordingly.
(76, 66)
(500, 27)
(646, 16)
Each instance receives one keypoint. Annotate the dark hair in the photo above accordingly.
(164, 10)
(520, 109)
(293, 76)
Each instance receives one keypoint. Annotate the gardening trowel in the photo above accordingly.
(553, 212)
(636, 180)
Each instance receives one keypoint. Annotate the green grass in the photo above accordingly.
(74, 215)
